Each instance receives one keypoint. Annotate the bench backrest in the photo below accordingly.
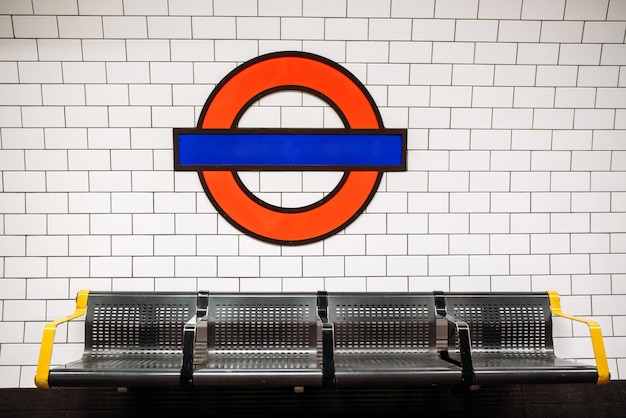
(500, 321)
(240, 322)
(120, 323)
(382, 322)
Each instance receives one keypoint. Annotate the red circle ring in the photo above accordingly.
(290, 71)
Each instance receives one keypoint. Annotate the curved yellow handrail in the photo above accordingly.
(45, 352)
(596, 337)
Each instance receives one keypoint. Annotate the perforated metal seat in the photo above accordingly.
(131, 339)
(259, 340)
(387, 339)
(511, 339)
(317, 339)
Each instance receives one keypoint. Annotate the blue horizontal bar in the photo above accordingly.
(206, 149)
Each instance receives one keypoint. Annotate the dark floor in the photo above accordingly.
(554, 400)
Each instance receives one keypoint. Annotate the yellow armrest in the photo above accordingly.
(45, 352)
(596, 337)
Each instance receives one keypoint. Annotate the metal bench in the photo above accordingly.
(511, 339)
(322, 339)
(131, 339)
(255, 339)
(389, 339)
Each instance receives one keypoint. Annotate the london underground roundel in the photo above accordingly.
(217, 149)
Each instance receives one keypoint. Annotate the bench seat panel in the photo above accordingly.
(260, 340)
(511, 339)
(387, 339)
(519, 368)
(131, 339)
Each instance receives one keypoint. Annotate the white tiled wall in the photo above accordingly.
(516, 117)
